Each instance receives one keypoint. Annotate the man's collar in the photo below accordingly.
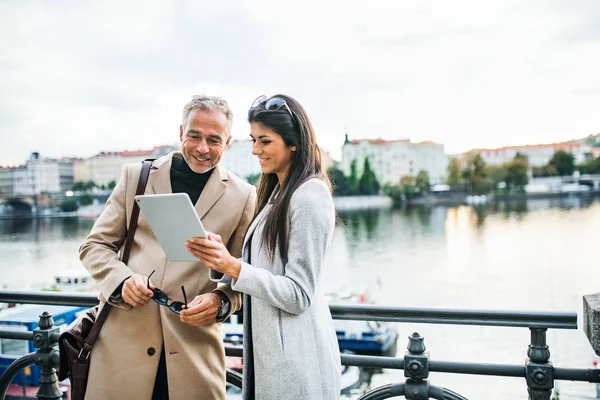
(167, 160)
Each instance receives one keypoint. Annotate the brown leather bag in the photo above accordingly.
(76, 342)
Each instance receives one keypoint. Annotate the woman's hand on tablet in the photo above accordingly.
(214, 255)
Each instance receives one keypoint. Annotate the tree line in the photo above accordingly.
(473, 175)
(84, 198)
(469, 175)
(353, 185)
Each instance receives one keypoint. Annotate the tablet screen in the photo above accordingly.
(173, 220)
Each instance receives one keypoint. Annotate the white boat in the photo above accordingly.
(476, 199)
(73, 281)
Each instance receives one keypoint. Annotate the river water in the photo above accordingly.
(538, 255)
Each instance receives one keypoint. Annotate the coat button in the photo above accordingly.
(151, 351)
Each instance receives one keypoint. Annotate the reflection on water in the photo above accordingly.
(366, 226)
(53, 229)
(538, 255)
(33, 250)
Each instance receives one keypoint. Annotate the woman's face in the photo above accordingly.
(274, 155)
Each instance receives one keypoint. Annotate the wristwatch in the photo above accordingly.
(224, 307)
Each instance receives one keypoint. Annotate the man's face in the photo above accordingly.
(204, 138)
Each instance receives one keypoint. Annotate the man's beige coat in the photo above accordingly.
(125, 359)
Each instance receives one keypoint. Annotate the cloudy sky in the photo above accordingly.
(78, 77)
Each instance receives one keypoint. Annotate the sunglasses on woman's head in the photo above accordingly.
(162, 299)
(271, 104)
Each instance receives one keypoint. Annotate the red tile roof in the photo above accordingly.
(563, 145)
(134, 153)
(378, 141)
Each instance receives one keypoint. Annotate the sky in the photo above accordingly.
(79, 77)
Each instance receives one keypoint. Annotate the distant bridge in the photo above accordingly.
(24, 204)
(18, 204)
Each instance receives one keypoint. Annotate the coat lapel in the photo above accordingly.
(160, 176)
(212, 192)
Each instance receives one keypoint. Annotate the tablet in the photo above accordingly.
(173, 220)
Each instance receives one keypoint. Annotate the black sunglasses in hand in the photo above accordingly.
(162, 299)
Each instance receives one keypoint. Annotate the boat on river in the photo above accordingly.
(74, 281)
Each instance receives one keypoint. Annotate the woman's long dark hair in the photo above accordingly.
(306, 164)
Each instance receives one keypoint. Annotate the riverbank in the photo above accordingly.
(357, 203)
(456, 199)
(341, 203)
(354, 203)
(40, 215)
(91, 211)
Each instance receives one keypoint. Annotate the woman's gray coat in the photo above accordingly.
(294, 352)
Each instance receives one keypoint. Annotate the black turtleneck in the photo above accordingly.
(184, 180)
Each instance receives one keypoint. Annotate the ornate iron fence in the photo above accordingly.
(538, 371)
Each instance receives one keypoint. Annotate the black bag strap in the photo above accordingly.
(141, 188)
(135, 212)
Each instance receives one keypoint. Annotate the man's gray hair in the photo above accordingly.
(205, 102)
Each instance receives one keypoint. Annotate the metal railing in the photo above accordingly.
(538, 372)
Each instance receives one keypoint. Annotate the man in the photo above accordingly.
(144, 350)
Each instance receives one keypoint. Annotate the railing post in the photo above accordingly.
(416, 369)
(47, 357)
(539, 371)
(591, 320)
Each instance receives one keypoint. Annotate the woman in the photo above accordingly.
(290, 345)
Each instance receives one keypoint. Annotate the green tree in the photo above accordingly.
(78, 186)
(86, 199)
(253, 179)
(111, 185)
(89, 185)
(496, 174)
(353, 178)
(545, 170)
(339, 181)
(590, 166)
(69, 204)
(474, 174)
(393, 191)
(516, 172)
(368, 183)
(454, 175)
(563, 162)
(422, 181)
(407, 185)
